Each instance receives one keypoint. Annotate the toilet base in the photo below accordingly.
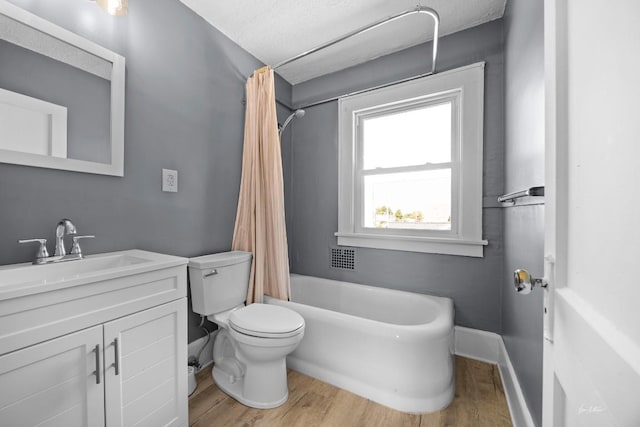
(235, 389)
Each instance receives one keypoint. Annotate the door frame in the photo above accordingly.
(556, 182)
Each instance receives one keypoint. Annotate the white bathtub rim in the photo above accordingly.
(390, 400)
(381, 289)
(440, 326)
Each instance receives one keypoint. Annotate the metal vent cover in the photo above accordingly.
(343, 258)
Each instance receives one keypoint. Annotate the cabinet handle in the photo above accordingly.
(116, 363)
(97, 350)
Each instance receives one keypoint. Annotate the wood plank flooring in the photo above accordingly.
(479, 401)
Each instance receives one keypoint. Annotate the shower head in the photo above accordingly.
(297, 114)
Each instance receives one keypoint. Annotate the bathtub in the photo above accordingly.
(393, 347)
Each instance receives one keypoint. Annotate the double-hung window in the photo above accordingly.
(410, 172)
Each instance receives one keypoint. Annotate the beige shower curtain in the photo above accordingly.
(260, 223)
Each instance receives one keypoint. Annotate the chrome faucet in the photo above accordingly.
(63, 228)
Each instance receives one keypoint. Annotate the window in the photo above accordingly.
(410, 173)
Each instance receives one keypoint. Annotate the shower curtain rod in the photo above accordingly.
(418, 9)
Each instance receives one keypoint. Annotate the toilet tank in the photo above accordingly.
(219, 282)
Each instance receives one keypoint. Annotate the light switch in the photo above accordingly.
(170, 180)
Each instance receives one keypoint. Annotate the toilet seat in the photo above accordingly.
(266, 321)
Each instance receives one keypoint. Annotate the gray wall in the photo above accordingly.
(473, 283)
(184, 111)
(524, 160)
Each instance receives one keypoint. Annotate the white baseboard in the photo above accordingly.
(206, 357)
(477, 344)
(520, 414)
(489, 347)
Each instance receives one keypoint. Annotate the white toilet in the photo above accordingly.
(252, 341)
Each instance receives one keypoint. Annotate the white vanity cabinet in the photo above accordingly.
(107, 352)
(145, 368)
(54, 383)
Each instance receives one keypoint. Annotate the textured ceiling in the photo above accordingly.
(274, 30)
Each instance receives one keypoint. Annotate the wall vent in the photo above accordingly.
(343, 258)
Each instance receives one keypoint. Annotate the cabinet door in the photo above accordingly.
(55, 383)
(146, 367)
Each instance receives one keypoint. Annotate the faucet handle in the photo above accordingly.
(75, 249)
(42, 250)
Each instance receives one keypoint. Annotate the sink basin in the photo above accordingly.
(25, 279)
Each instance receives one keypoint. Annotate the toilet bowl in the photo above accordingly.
(250, 349)
(249, 354)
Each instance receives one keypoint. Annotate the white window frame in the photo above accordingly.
(464, 87)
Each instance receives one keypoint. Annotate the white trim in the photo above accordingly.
(117, 77)
(206, 358)
(117, 115)
(556, 183)
(465, 237)
(56, 126)
(477, 344)
(20, 34)
(18, 14)
(413, 243)
(489, 347)
(518, 408)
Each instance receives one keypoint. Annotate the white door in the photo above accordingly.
(592, 241)
(146, 367)
(56, 383)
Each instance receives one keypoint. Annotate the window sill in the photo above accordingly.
(432, 245)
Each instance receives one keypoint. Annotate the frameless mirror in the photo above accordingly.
(61, 97)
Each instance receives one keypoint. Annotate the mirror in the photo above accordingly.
(61, 97)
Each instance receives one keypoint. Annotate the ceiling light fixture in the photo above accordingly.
(113, 7)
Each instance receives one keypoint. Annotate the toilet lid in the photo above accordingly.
(266, 320)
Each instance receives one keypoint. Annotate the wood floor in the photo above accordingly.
(479, 401)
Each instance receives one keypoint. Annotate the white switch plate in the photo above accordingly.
(170, 180)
